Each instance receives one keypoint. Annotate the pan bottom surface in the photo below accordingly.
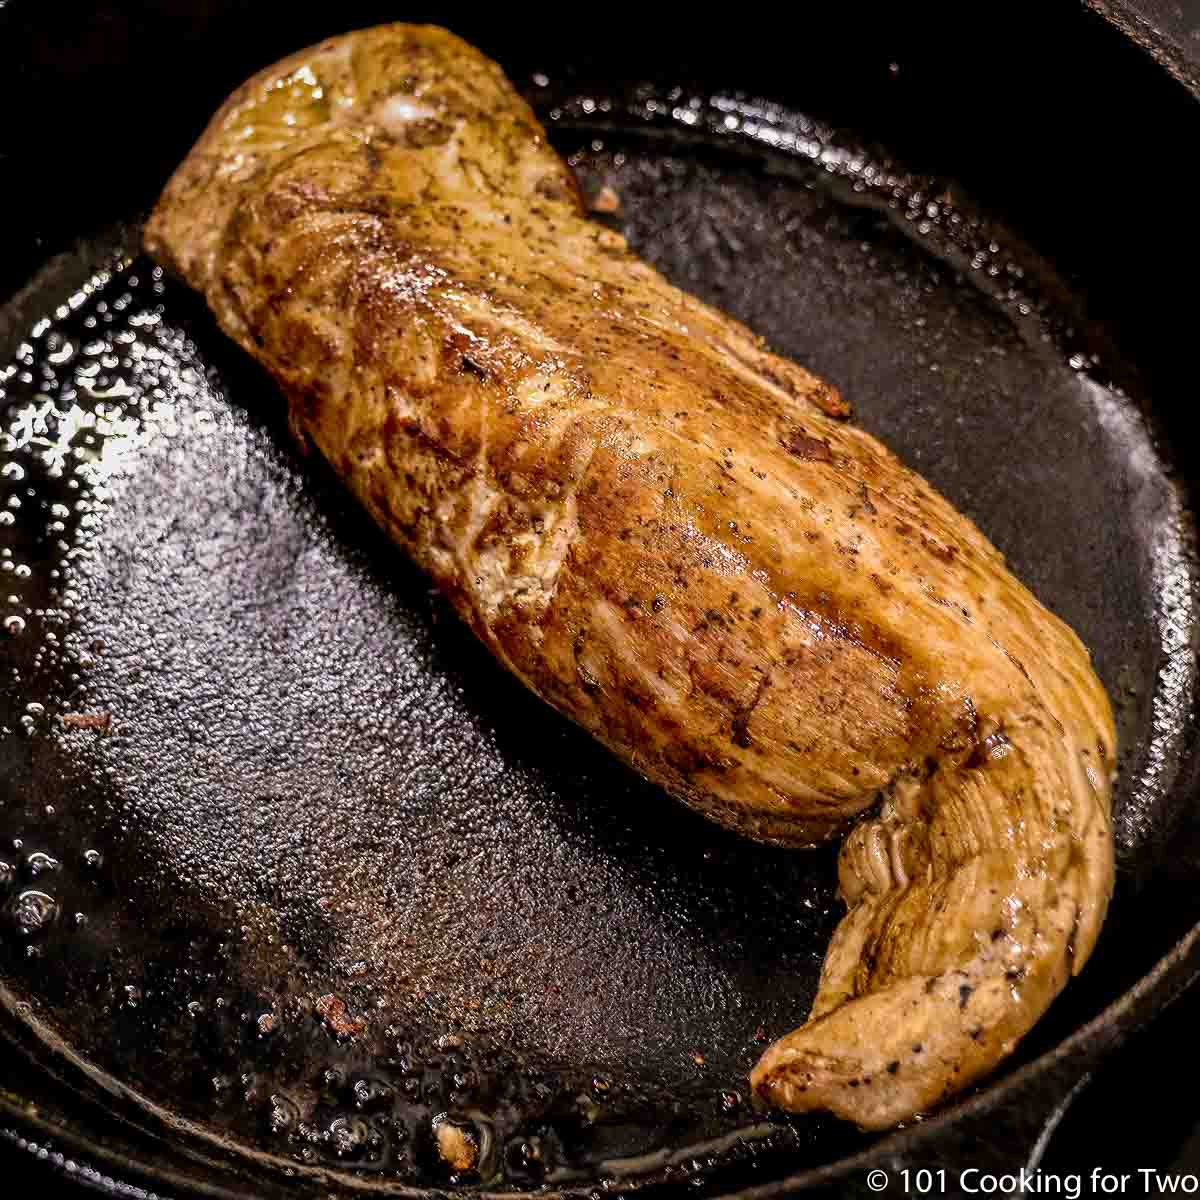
(282, 850)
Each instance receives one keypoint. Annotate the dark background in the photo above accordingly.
(1140, 1109)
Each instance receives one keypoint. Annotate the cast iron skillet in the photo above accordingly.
(291, 871)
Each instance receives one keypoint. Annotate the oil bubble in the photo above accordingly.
(528, 1158)
(40, 863)
(32, 912)
(369, 1093)
(348, 1135)
(284, 1113)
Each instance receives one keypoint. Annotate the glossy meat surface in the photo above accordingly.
(674, 538)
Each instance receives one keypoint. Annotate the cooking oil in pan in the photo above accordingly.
(283, 852)
(233, 936)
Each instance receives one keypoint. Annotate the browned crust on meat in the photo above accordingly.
(666, 532)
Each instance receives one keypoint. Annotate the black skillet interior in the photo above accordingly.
(329, 874)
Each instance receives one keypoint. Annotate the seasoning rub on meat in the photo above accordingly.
(673, 537)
